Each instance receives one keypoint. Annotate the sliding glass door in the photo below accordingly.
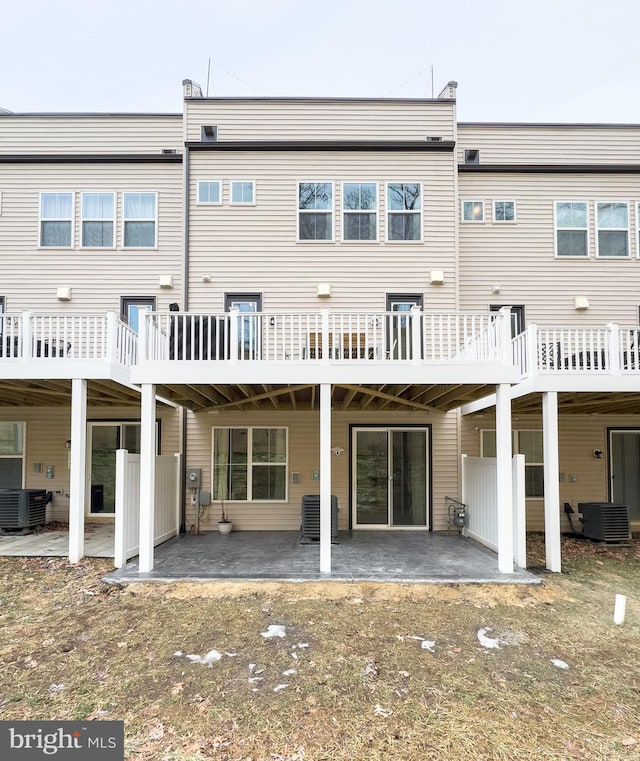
(390, 477)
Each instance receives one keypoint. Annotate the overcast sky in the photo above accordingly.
(514, 60)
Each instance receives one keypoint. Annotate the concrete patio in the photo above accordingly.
(98, 543)
(399, 556)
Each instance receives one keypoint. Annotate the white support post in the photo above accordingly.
(506, 352)
(504, 478)
(77, 475)
(416, 333)
(325, 477)
(27, 335)
(111, 343)
(551, 481)
(147, 477)
(235, 335)
(325, 350)
(613, 357)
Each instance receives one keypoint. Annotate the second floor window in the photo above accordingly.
(209, 191)
(243, 192)
(140, 220)
(571, 228)
(613, 229)
(360, 211)
(56, 220)
(404, 211)
(98, 211)
(315, 211)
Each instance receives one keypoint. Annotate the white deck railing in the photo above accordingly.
(46, 337)
(613, 349)
(324, 336)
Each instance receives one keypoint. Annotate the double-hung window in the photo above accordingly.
(530, 444)
(11, 455)
(571, 228)
(98, 213)
(613, 229)
(209, 191)
(360, 211)
(315, 211)
(140, 220)
(250, 464)
(404, 211)
(243, 192)
(56, 220)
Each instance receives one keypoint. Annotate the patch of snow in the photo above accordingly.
(380, 711)
(206, 660)
(428, 644)
(560, 664)
(488, 642)
(420, 639)
(56, 687)
(279, 687)
(289, 672)
(178, 654)
(274, 630)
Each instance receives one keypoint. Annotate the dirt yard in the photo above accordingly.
(313, 672)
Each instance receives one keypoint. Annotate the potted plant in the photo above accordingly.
(224, 524)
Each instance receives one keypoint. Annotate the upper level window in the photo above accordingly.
(56, 220)
(140, 220)
(504, 211)
(209, 191)
(571, 228)
(360, 211)
(473, 211)
(98, 212)
(404, 211)
(315, 211)
(243, 192)
(613, 229)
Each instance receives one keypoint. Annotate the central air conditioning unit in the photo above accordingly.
(605, 521)
(310, 525)
(22, 510)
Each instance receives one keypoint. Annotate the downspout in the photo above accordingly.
(185, 308)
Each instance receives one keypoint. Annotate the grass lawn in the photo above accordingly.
(363, 671)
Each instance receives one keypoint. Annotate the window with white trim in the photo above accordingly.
(56, 220)
(209, 191)
(98, 220)
(473, 211)
(243, 192)
(530, 444)
(571, 218)
(315, 211)
(359, 211)
(404, 211)
(250, 464)
(140, 220)
(504, 211)
(612, 219)
(11, 454)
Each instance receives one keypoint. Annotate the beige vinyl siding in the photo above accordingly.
(91, 134)
(555, 144)
(520, 256)
(304, 457)
(255, 248)
(578, 436)
(98, 277)
(263, 119)
(48, 430)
